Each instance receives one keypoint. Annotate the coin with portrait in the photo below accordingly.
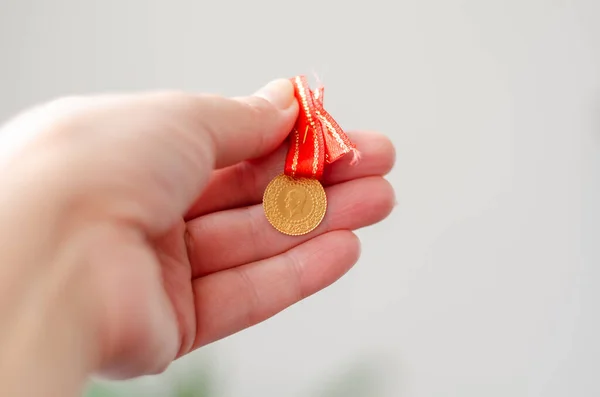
(294, 206)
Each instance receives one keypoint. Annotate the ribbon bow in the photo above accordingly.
(316, 138)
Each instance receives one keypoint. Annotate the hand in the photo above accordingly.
(133, 224)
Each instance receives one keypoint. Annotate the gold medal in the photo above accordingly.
(294, 206)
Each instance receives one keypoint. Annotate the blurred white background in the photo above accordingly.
(484, 281)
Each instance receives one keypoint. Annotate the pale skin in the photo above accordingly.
(132, 231)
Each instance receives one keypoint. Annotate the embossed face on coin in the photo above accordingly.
(294, 202)
(294, 206)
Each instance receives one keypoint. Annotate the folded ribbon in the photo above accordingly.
(317, 138)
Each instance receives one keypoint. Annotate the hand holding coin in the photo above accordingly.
(134, 231)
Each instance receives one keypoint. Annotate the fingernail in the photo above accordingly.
(279, 92)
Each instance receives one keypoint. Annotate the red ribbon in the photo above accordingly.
(316, 138)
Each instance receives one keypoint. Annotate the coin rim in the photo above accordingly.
(312, 181)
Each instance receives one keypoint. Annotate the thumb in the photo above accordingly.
(243, 128)
(191, 135)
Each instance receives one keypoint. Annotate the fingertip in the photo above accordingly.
(381, 200)
(389, 200)
(255, 125)
(355, 246)
(390, 154)
(345, 246)
(279, 93)
(383, 147)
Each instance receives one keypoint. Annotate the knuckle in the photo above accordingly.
(259, 107)
(260, 112)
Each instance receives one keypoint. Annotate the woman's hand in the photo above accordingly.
(133, 233)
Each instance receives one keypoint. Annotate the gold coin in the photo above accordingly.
(294, 206)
